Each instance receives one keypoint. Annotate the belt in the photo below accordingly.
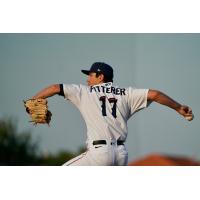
(96, 142)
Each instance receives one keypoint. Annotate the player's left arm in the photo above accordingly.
(48, 91)
(161, 98)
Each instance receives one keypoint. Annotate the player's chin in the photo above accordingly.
(89, 84)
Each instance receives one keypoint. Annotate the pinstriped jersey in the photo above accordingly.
(106, 108)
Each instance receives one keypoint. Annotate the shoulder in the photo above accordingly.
(130, 90)
(75, 87)
(137, 92)
(134, 89)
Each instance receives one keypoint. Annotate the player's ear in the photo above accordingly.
(101, 77)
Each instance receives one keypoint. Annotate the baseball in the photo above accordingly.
(189, 118)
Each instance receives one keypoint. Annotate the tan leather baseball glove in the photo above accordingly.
(38, 111)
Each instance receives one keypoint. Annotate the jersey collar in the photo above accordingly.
(108, 84)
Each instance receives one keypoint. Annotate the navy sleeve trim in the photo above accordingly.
(61, 93)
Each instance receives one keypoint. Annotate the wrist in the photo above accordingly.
(178, 107)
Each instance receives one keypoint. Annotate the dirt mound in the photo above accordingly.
(164, 160)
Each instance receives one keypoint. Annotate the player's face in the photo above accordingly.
(93, 80)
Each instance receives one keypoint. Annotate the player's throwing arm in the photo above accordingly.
(159, 97)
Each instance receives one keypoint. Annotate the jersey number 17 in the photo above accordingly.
(114, 108)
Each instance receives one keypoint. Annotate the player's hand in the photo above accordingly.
(186, 112)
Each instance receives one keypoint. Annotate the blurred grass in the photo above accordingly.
(18, 149)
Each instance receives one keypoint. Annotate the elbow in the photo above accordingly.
(153, 95)
(55, 88)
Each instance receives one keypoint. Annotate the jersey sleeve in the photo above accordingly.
(72, 93)
(137, 99)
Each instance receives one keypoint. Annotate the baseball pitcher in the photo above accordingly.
(106, 109)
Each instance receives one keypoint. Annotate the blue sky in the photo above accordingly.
(167, 62)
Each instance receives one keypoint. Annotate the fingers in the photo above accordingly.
(186, 111)
(190, 111)
(189, 117)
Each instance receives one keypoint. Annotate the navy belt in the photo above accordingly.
(96, 142)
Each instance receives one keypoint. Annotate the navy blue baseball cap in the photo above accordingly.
(100, 67)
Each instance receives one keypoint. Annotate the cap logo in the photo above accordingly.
(98, 70)
(107, 84)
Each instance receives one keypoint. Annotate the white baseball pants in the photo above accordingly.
(101, 155)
